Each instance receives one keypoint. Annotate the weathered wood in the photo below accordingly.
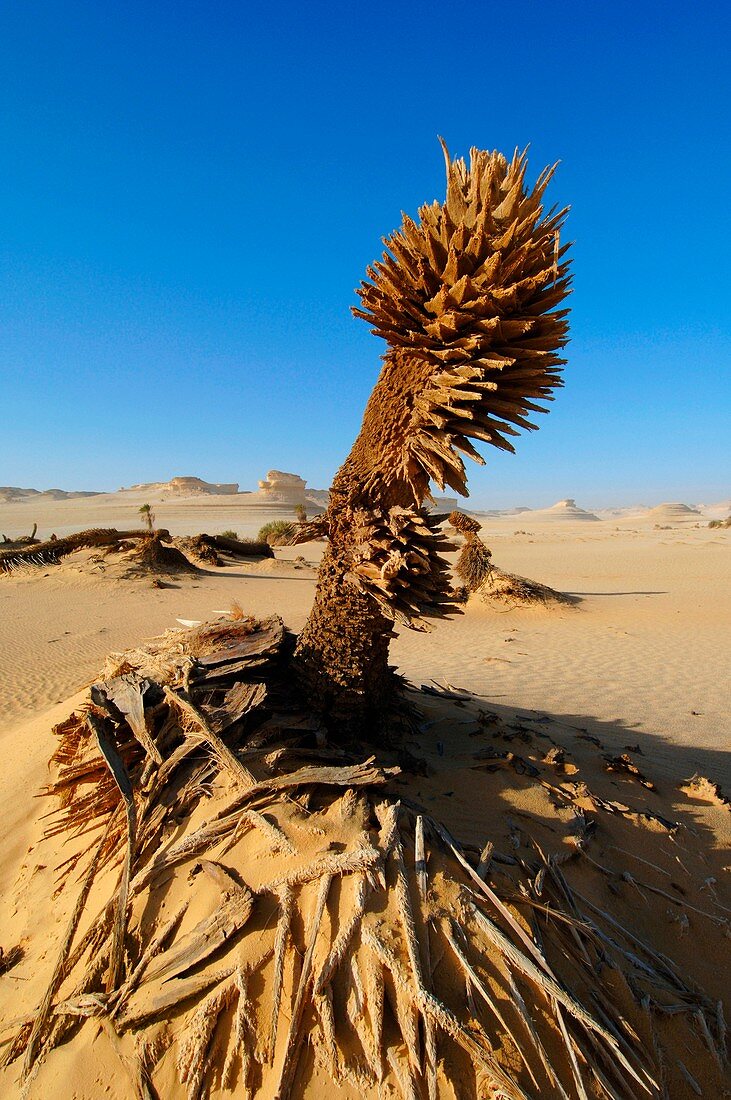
(158, 1001)
(222, 752)
(119, 772)
(238, 701)
(205, 939)
(218, 645)
(124, 695)
(366, 774)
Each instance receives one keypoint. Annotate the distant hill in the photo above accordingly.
(15, 494)
(673, 512)
(186, 486)
(564, 510)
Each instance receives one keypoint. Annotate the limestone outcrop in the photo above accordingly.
(282, 488)
(188, 486)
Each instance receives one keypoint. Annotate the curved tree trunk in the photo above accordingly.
(466, 300)
(342, 653)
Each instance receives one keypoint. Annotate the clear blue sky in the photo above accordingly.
(191, 191)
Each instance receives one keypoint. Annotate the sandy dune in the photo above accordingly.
(646, 646)
(640, 663)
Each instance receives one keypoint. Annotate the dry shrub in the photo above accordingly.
(512, 589)
(277, 533)
(153, 554)
(474, 564)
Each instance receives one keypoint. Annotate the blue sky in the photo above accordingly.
(191, 192)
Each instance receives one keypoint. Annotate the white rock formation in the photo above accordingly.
(187, 486)
(282, 488)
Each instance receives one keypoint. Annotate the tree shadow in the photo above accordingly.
(645, 849)
(662, 592)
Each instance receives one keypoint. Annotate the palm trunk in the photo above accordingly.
(342, 654)
(341, 659)
(467, 300)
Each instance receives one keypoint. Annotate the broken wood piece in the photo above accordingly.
(291, 1050)
(420, 857)
(119, 772)
(154, 1002)
(483, 867)
(219, 644)
(625, 763)
(366, 774)
(206, 938)
(123, 696)
(220, 749)
(239, 699)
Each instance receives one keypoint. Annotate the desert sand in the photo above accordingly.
(638, 665)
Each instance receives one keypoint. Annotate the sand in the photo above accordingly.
(639, 663)
(646, 648)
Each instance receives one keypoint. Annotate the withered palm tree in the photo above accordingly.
(147, 514)
(467, 300)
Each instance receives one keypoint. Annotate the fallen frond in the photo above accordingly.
(474, 564)
(416, 968)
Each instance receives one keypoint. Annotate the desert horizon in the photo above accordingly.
(67, 511)
(630, 669)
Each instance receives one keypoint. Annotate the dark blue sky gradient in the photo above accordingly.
(191, 192)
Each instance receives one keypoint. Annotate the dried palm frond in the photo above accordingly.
(474, 564)
(463, 523)
(382, 907)
(44, 553)
(509, 588)
(398, 560)
(466, 298)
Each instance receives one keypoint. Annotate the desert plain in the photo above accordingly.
(638, 665)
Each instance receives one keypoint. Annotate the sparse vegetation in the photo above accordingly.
(275, 533)
(475, 563)
(722, 523)
(230, 535)
(301, 513)
(148, 517)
